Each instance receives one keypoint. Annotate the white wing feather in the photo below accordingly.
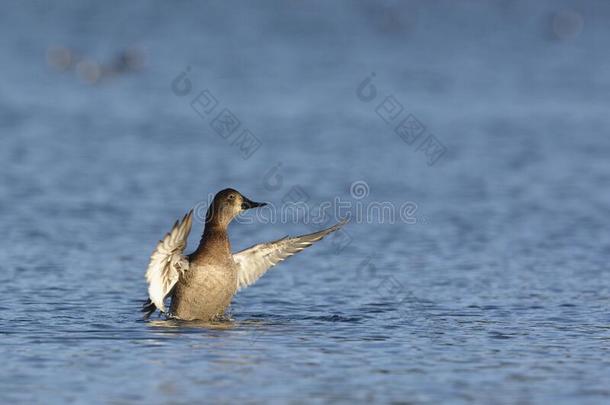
(167, 262)
(253, 262)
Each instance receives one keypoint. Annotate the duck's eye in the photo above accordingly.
(231, 197)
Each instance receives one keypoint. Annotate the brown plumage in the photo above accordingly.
(203, 283)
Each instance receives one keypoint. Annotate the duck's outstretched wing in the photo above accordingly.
(167, 263)
(253, 262)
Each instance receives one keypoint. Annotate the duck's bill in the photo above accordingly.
(248, 204)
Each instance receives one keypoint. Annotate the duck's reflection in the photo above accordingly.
(178, 324)
(249, 331)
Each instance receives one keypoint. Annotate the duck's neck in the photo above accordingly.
(214, 242)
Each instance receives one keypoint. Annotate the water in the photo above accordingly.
(497, 293)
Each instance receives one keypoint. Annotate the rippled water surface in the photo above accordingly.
(498, 293)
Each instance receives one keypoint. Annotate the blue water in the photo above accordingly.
(497, 292)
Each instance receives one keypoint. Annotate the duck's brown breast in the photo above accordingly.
(204, 292)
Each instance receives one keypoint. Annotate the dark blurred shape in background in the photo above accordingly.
(567, 24)
(88, 70)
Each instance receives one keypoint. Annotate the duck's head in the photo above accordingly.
(227, 204)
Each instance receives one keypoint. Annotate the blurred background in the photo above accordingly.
(489, 117)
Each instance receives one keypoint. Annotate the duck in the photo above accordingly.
(201, 285)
